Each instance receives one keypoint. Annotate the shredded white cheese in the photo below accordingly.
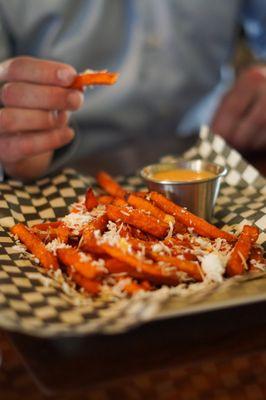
(213, 267)
(83, 257)
(111, 236)
(258, 265)
(171, 230)
(76, 221)
(56, 244)
(160, 247)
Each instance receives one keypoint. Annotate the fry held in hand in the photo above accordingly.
(91, 78)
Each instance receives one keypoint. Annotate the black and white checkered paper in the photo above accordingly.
(35, 304)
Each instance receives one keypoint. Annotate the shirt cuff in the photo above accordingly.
(2, 174)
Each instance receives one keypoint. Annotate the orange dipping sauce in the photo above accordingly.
(182, 175)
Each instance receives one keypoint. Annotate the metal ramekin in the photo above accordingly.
(199, 197)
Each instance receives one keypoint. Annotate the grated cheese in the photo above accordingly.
(243, 260)
(84, 257)
(160, 247)
(111, 236)
(258, 265)
(171, 230)
(77, 221)
(213, 267)
(56, 244)
(19, 248)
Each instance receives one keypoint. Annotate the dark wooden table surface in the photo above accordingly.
(216, 355)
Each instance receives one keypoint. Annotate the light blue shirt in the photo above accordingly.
(174, 56)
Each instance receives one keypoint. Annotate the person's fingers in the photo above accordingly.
(232, 108)
(16, 119)
(34, 70)
(28, 95)
(245, 135)
(62, 118)
(260, 140)
(237, 103)
(20, 146)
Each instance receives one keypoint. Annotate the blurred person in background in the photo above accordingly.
(175, 63)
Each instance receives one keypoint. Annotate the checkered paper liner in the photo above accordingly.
(32, 303)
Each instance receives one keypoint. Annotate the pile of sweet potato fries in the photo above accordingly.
(137, 241)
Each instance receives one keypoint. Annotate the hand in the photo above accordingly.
(36, 99)
(241, 116)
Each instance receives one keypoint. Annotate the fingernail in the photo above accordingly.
(3, 69)
(69, 135)
(75, 100)
(66, 76)
(62, 118)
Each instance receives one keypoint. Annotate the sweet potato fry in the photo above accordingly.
(118, 202)
(134, 287)
(50, 231)
(90, 246)
(116, 266)
(90, 200)
(91, 78)
(180, 248)
(237, 261)
(84, 264)
(256, 254)
(63, 233)
(139, 219)
(141, 235)
(146, 285)
(142, 194)
(182, 215)
(90, 286)
(143, 204)
(110, 185)
(174, 241)
(35, 246)
(191, 268)
(44, 226)
(74, 210)
(152, 272)
(87, 239)
(105, 199)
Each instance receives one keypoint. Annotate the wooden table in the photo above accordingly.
(216, 355)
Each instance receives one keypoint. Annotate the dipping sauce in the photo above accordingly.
(182, 175)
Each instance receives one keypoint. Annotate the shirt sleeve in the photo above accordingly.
(254, 23)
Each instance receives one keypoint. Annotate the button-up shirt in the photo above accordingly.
(174, 56)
